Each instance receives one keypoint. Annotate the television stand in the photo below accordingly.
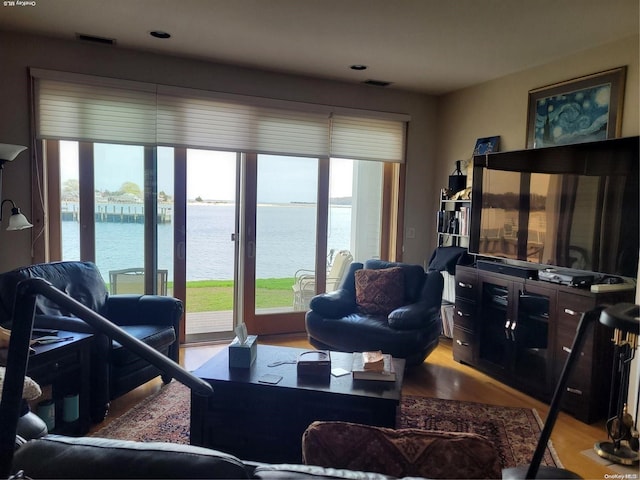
(520, 331)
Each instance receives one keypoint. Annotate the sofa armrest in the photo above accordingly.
(60, 322)
(128, 309)
(335, 304)
(85, 457)
(413, 316)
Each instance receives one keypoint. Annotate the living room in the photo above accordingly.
(443, 128)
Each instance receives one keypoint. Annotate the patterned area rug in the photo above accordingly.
(514, 431)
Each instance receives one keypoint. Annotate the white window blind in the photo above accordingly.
(361, 138)
(87, 108)
(100, 113)
(222, 124)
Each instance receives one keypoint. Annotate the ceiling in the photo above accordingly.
(430, 46)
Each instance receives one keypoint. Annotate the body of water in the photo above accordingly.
(285, 241)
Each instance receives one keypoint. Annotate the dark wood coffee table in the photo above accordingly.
(265, 422)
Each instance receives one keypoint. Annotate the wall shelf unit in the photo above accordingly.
(453, 222)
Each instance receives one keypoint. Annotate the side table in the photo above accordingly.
(65, 366)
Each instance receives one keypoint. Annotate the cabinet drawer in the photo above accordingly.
(573, 306)
(464, 313)
(46, 372)
(463, 341)
(466, 284)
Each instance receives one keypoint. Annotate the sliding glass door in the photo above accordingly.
(211, 253)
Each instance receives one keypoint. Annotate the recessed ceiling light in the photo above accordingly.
(358, 67)
(159, 34)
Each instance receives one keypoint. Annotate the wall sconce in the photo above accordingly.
(17, 221)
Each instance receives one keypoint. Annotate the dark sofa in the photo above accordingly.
(330, 450)
(411, 331)
(115, 370)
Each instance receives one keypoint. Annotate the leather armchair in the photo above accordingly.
(155, 320)
(412, 331)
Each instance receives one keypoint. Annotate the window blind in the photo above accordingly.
(68, 110)
(361, 138)
(97, 109)
(223, 124)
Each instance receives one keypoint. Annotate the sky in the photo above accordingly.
(210, 175)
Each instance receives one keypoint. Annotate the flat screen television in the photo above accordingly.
(573, 207)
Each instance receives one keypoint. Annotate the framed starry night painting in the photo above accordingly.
(584, 109)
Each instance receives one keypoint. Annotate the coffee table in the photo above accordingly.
(265, 422)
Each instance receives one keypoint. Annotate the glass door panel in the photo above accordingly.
(69, 201)
(286, 220)
(211, 245)
(166, 215)
(355, 213)
(119, 213)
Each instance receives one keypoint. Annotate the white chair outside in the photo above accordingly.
(304, 286)
(131, 280)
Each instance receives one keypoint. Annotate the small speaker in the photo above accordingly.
(457, 183)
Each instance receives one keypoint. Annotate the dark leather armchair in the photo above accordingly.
(412, 331)
(155, 320)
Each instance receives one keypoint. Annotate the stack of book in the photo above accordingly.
(373, 366)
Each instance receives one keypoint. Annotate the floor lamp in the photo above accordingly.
(622, 317)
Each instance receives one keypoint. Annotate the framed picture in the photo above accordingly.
(486, 145)
(584, 109)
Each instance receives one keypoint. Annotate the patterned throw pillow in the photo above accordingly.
(379, 292)
(409, 452)
(31, 389)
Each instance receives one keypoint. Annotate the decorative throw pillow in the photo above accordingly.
(379, 292)
(31, 389)
(410, 452)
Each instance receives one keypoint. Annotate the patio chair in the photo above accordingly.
(304, 286)
(131, 280)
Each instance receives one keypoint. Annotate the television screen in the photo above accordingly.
(573, 207)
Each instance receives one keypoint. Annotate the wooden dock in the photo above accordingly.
(117, 214)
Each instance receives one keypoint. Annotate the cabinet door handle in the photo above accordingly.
(465, 285)
(462, 344)
(566, 349)
(568, 311)
(574, 390)
(460, 314)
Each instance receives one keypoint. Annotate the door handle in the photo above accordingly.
(251, 249)
(181, 250)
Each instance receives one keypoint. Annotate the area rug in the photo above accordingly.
(164, 416)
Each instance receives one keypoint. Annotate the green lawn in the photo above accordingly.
(214, 295)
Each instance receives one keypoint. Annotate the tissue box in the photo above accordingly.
(242, 355)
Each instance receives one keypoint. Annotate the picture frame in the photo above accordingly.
(579, 110)
(486, 145)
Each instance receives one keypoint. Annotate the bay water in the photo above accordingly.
(285, 240)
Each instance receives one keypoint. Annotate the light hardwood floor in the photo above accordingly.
(438, 377)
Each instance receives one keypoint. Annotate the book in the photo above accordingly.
(373, 361)
(387, 374)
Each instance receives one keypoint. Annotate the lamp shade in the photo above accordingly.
(17, 221)
(9, 152)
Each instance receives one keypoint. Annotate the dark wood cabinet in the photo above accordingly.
(65, 366)
(520, 331)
